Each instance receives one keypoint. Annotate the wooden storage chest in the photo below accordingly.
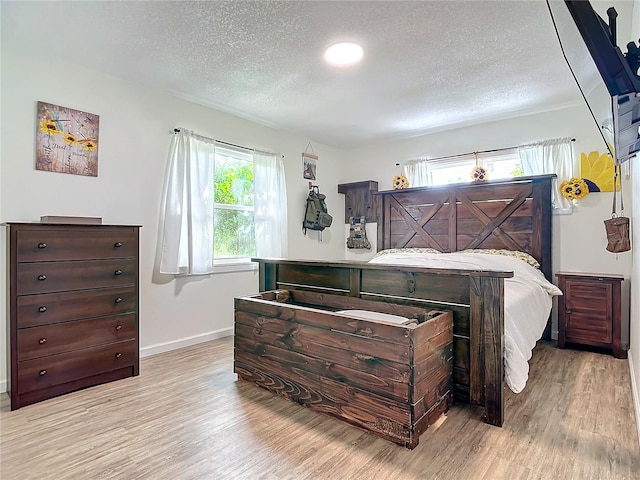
(392, 380)
(73, 307)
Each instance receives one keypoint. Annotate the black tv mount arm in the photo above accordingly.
(633, 52)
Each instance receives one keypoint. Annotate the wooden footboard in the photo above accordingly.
(476, 299)
(391, 380)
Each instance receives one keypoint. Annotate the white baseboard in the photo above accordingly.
(635, 392)
(185, 342)
(3, 386)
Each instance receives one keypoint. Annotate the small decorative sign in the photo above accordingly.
(67, 140)
(309, 165)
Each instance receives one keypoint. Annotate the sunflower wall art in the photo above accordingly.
(67, 140)
(597, 170)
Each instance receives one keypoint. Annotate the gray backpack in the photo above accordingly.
(315, 215)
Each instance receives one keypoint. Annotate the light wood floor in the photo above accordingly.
(187, 417)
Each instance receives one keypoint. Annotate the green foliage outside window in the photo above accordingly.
(234, 182)
(233, 213)
(518, 171)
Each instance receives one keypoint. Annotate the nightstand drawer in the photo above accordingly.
(53, 244)
(66, 367)
(45, 277)
(48, 308)
(39, 342)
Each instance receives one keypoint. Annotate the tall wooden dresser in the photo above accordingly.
(73, 307)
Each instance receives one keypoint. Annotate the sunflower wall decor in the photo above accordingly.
(574, 188)
(67, 140)
(479, 174)
(400, 182)
(597, 169)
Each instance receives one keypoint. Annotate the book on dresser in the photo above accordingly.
(73, 307)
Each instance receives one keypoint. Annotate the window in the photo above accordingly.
(233, 217)
(500, 164)
(539, 158)
(218, 199)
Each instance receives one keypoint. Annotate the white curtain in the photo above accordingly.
(550, 156)
(270, 205)
(416, 172)
(187, 211)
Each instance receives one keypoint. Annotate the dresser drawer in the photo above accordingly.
(63, 337)
(66, 367)
(73, 243)
(47, 308)
(45, 277)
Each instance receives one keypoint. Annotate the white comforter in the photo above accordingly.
(527, 301)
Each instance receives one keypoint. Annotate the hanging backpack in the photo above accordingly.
(357, 233)
(315, 215)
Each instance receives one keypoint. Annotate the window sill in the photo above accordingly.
(235, 267)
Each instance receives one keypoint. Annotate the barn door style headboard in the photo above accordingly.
(503, 214)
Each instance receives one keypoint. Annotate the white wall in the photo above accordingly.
(634, 342)
(135, 126)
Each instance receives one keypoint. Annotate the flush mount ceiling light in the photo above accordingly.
(343, 54)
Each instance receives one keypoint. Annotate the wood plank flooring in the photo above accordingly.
(187, 417)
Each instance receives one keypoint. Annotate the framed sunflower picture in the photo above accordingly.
(67, 140)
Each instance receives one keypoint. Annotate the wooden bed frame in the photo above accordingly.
(513, 215)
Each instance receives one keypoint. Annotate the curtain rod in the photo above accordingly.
(177, 130)
(471, 153)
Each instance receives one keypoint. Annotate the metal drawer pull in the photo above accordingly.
(42, 309)
(42, 341)
(118, 272)
(42, 277)
(118, 299)
(42, 372)
(118, 355)
(42, 245)
(117, 244)
(118, 327)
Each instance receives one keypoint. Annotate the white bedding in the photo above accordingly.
(527, 298)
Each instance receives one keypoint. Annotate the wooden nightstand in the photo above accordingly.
(589, 312)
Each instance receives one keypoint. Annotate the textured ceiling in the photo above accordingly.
(428, 66)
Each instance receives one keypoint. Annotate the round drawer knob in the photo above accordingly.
(118, 299)
(118, 272)
(42, 277)
(42, 245)
(117, 244)
(42, 341)
(42, 309)
(118, 355)
(118, 327)
(42, 372)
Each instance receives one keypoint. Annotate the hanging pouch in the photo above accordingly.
(617, 228)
